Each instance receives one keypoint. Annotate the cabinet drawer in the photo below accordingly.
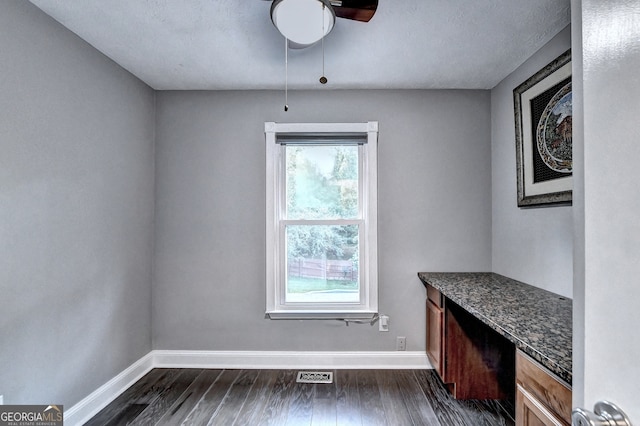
(435, 296)
(539, 385)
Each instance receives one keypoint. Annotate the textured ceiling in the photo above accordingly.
(232, 44)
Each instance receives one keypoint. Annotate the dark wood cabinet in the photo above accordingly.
(541, 399)
(473, 361)
(492, 337)
(479, 363)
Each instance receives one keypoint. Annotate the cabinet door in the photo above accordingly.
(434, 336)
(531, 412)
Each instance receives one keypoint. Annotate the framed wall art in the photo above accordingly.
(543, 119)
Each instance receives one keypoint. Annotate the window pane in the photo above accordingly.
(322, 182)
(322, 263)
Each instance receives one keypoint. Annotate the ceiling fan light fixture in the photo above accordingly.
(303, 22)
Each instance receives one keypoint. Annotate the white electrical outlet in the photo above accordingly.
(383, 325)
(401, 343)
(1, 399)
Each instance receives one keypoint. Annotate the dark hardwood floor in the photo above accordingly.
(272, 397)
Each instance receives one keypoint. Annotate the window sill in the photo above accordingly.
(319, 315)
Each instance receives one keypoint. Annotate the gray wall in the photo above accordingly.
(434, 211)
(533, 245)
(76, 212)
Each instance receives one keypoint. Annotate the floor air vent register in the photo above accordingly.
(314, 377)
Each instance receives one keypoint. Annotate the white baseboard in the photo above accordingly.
(101, 397)
(289, 359)
(97, 400)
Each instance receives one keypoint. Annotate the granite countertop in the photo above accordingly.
(537, 321)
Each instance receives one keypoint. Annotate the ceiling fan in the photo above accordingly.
(304, 22)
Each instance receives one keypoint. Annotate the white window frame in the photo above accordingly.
(276, 306)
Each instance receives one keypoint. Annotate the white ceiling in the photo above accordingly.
(232, 44)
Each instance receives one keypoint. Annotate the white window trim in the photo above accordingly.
(275, 308)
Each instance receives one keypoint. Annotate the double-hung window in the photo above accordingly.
(321, 220)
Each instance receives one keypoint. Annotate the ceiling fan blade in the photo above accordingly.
(357, 10)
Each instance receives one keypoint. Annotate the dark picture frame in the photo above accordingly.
(543, 120)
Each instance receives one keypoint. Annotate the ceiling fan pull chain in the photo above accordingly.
(286, 74)
(323, 79)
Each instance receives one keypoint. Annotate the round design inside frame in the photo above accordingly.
(554, 132)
